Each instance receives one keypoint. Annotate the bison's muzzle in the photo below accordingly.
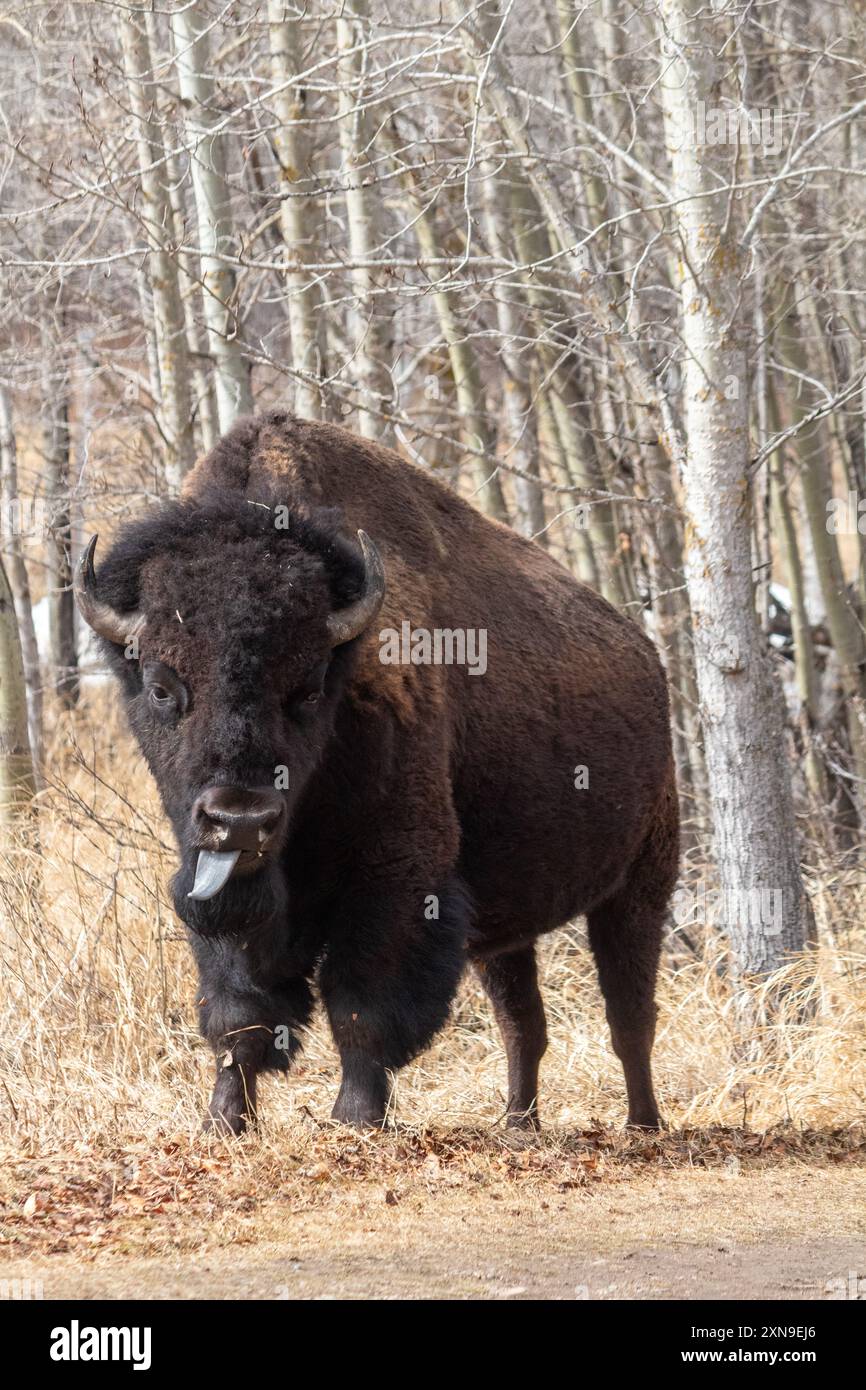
(234, 828)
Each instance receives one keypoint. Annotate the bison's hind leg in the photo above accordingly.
(511, 983)
(625, 933)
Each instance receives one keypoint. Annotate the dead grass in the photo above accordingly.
(103, 1075)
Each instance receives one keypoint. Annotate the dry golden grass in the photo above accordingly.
(104, 1078)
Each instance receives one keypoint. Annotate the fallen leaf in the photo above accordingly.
(320, 1173)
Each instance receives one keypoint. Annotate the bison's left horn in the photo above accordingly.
(118, 627)
(347, 623)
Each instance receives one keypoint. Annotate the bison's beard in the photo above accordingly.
(245, 902)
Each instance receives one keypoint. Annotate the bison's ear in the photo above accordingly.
(349, 622)
(121, 628)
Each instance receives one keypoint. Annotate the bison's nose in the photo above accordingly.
(237, 817)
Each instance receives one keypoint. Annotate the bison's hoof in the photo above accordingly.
(363, 1097)
(358, 1116)
(648, 1123)
(359, 1111)
(523, 1122)
(222, 1123)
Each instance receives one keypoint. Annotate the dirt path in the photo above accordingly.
(806, 1269)
(789, 1235)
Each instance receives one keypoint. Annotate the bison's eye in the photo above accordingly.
(309, 693)
(166, 693)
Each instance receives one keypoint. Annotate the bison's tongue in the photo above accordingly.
(212, 872)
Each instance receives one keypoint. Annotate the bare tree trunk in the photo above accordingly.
(13, 507)
(467, 383)
(201, 384)
(578, 463)
(148, 329)
(213, 207)
(767, 913)
(577, 83)
(202, 394)
(842, 353)
(17, 782)
(292, 155)
(571, 407)
(801, 633)
(175, 412)
(812, 445)
(56, 443)
(672, 631)
(370, 361)
(517, 395)
(576, 551)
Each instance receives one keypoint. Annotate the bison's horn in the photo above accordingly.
(347, 623)
(121, 628)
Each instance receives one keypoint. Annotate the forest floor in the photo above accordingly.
(316, 1212)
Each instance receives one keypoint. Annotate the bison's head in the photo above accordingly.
(232, 627)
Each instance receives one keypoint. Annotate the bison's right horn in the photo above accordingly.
(347, 623)
(121, 628)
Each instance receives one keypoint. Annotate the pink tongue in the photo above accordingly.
(212, 872)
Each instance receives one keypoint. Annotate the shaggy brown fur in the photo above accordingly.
(432, 815)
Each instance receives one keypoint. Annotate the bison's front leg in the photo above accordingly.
(388, 981)
(233, 1099)
(250, 1009)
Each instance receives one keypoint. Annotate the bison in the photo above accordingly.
(357, 804)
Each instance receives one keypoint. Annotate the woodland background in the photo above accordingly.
(602, 268)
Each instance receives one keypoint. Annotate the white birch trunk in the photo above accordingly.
(369, 367)
(517, 397)
(765, 910)
(13, 506)
(213, 208)
(146, 314)
(56, 444)
(202, 395)
(17, 783)
(291, 150)
(175, 404)
(467, 384)
(576, 80)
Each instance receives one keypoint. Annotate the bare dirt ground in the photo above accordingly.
(717, 1215)
(541, 1261)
